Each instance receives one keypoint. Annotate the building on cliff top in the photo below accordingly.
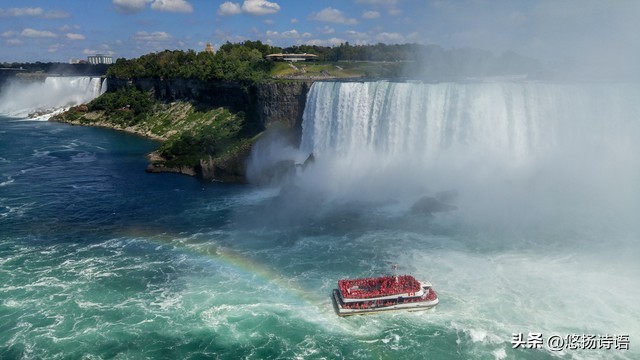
(292, 57)
(99, 59)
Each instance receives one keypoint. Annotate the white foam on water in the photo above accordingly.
(499, 354)
(8, 181)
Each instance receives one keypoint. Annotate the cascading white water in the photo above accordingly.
(505, 145)
(516, 122)
(103, 86)
(21, 98)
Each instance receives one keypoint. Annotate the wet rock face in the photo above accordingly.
(282, 103)
(210, 94)
(432, 204)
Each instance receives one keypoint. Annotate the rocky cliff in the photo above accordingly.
(274, 104)
(266, 104)
(282, 103)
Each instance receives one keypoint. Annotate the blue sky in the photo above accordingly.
(46, 30)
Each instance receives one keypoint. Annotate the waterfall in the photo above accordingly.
(515, 122)
(508, 143)
(103, 87)
(54, 94)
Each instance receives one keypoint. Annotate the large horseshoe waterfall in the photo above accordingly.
(515, 121)
(399, 138)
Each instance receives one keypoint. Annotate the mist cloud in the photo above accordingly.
(595, 38)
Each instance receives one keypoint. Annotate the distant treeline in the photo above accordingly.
(240, 62)
(431, 62)
(246, 61)
(347, 52)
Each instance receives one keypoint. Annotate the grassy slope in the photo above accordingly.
(370, 69)
(188, 135)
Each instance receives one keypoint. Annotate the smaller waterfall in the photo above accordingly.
(103, 87)
(54, 94)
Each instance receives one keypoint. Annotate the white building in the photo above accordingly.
(292, 57)
(100, 59)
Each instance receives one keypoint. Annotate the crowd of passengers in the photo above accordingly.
(375, 287)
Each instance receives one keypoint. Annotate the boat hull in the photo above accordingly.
(410, 306)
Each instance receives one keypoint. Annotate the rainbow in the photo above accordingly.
(244, 265)
(231, 259)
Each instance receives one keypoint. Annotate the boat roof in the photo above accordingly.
(378, 287)
(380, 278)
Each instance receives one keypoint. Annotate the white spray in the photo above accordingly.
(22, 98)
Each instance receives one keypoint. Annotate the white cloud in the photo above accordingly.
(251, 7)
(37, 33)
(326, 42)
(89, 52)
(356, 34)
(54, 48)
(327, 30)
(172, 6)
(260, 7)
(56, 14)
(130, 6)
(29, 11)
(9, 33)
(336, 41)
(395, 12)
(295, 21)
(72, 36)
(333, 16)
(419, 38)
(13, 41)
(156, 36)
(390, 38)
(291, 34)
(224, 36)
(268, 21)
(229, 8)
(371, 15)
(66, 28)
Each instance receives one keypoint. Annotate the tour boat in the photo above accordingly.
(385, 293)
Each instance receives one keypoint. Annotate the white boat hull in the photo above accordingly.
(409, 306)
